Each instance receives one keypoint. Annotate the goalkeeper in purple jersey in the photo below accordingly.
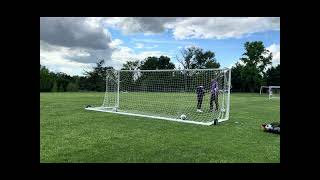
(214, 94)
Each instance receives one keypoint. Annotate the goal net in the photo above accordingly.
(198, 96)
(272, 91)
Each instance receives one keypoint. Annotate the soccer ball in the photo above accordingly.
(183, 117)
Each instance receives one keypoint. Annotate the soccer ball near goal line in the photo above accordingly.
(183, 117)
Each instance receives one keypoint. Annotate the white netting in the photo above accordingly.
(270, 91)
(274, 92)
(173, 94)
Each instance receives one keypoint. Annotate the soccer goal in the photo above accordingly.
(273, 91)
(197, 96)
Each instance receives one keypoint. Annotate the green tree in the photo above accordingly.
(84, 83)
(61, 89)
(164, 63)
(251, 78)
(272, 76)
(63, 80)
(96, 78)
(211, 65)
(76, 80)
(155, 81)
(55, 87)
(255, 59)
(153, 63)
(196, 58)
(72, 87)
(131, 65)
(256, 55)
(236, 77)
(188, 57)
(46, 80)
(150, 63)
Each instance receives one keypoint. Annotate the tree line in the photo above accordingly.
(247, 75)
(253, 69)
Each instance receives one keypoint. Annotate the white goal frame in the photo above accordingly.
(270, 92)
(225, 101)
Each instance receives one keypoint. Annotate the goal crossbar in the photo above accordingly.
(171, 70)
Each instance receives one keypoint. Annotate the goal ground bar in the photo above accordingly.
(154, 117)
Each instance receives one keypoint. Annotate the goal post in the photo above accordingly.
(196, 96)
(273, 91)
(263, 87)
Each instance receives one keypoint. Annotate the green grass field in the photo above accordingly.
(170, 105)
(68, 133)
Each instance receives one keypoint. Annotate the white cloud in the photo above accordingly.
(275, 49)
(196, 27)
(143, 46)
(151, 47)
(190, 46)
(66, 46)
(93, 22)
(222, 27)
(147, 25)
(73, 44)
(161, 41)
(123, 54)
(231, 65)
(67, 60)
(115, 43)
(112, 21)
(178, 65)
(146, 54)
(139, 45)
(74, 32)
(56, 59)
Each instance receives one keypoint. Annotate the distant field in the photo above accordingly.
(71, 134)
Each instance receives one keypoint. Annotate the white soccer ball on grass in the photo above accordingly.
(183, 117)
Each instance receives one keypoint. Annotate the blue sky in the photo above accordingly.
(85, 40)
(227, 51)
